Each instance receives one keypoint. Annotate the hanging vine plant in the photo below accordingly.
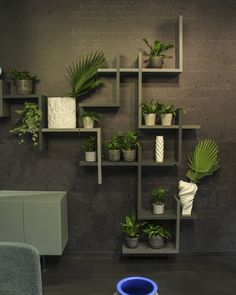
(29, 123)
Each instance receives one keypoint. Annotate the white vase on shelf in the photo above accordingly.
(159, 149)
(187, 191)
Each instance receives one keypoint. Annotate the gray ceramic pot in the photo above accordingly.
(129, 155)
(131, 242)
(156, 242)
(24, 87)
(114, 155)
(156, 62)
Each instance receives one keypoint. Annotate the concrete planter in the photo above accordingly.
(156, 62)
(150, 119)
(61, 112)
(24, 87)
(131, 242)
(158, 208)
(156, 242)
(88, 122)
(166, 119)
(129, 155)
(90, 156)
(114, 155)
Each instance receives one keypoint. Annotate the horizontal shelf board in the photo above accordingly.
(162, 71)
(107, 70)
(17, 96)
(61, 130)
(129, 70)
(153, 163)
(110, 164)
(193, 216)
(147, 214)
(144, 249)
(99, 105)
(170, 127)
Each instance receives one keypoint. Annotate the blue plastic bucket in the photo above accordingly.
(136, 286)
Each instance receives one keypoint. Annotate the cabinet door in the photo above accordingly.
(11, 221)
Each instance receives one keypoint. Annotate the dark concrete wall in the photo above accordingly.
(44, 37)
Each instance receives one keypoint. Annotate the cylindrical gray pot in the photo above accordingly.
(129, 155)
(131, 242)
(114, 155)
(156, 62)
(24, 87)
(156, 242)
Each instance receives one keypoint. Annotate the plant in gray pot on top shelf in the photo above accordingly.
(90, 147)
(156, 235)
(129, 144)
(113, 148)
(158, 197)
(89, 118)
(24, 81)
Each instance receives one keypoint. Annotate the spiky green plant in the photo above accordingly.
(156, 230)
(203, 161)
(130, 227)
(157, 49)
(82, 76)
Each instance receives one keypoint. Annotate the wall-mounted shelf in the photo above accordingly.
(144, 249)
(184, 127)
(110, 164)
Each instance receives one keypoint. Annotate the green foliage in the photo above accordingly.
(158, 48)
(156, 230)
(90, 144)
(129, 141)
(114, 143)
(159, 194)
(150, 107)
(82, 76)
(21, 75)
(167, 109)
(29, 123)
(130, 227)
(203, 161)
(93, 115)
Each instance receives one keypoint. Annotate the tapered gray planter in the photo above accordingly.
(156, 62)
(114, 155)
(156, 242)
(129, 155)
(131, 242)
(24, 87)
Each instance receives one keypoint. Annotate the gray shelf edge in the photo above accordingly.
(99, 105)
(69, 130)
(147, 214)
(171, 127)
(109, 164)
(144, 249)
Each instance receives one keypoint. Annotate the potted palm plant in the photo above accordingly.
(82, 78)
(88, 119)
(90, 147)
(156, 53)
(167, 112)
(203, 161)
(131, 229)
(24, 81)
(29, 123)
(150, 110)
(158, 197)
(129, 144)
(113, 148)
(156, 235)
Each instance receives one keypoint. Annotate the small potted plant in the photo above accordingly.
(24, 81)
(131, 230)
(129, 143)
(150, 110)
(90, 147)
(156, 53)
(158, 197)
(167, 112)
(113, 148)
(88, 119)
(156, 235)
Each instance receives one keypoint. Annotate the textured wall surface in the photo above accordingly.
(44, 37)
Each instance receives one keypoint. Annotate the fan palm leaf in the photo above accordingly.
(82, 75)
(203, 160)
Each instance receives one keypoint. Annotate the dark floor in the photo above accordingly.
(182, 275)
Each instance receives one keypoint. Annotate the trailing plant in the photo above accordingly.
(203, 161)
(129, 141)
(82, 76)
(159, 195)
(167, 109)
(130, 227)
(114, 143)
(90, 144)
(157, 49)
(21, 75)
(156, 230)
(92, 115)
(29, 123)
(150, 107)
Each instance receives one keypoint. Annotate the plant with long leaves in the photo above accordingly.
(203, 161)
(150, 107)
(130, 227)
(90, 144)
(82, 76)
(129, 141)
(156, 230)
(157, 49)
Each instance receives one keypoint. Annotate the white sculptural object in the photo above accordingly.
(187, 191)
(159, 149)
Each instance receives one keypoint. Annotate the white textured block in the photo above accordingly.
(61, 112)
(159, 149)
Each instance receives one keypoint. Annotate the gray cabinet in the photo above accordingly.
(38, 218)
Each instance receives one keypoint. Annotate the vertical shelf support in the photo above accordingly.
(5, 108)
(99, 155)
(179, 44)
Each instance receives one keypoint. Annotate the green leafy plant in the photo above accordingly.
(114, 143)
(129, 141)
(167, 109)
(130, 227)
(156, 230)
(21, 75)
(150, 107)
(82, 76)
(90, 144)
(29, 123)
(93, 115)
(157, 49)
(203, 161)
(159, 195)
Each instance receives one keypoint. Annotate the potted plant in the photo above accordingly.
(129, 143)
(24, 81)
(88, 119)
(167, 112)
(156, 53)
(156, 235)
(90, 147)
(203, 161)
(29, 123)
(158, 197)
(113, 148)
(131, 230)
(150, 110)
(82, 78)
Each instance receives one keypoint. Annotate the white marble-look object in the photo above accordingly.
(187, 191)
(159, 149)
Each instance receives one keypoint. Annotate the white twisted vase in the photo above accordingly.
(187, 191)
(159, 148)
